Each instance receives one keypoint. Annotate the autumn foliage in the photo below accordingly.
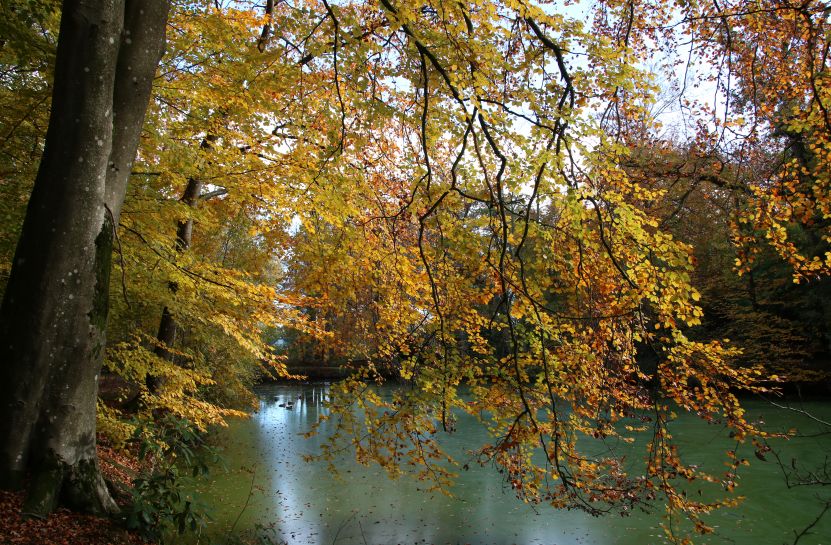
(558, 218)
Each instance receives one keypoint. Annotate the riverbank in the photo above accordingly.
(316, 372)
(64, 527)
(804, 390)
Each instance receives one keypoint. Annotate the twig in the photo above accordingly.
(120, 257)
(247, 501)
(362, 532)
(800, 411)
(342, 526)
(805, 530)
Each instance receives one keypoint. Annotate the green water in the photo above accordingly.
(304, 504)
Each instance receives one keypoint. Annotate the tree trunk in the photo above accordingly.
(145, 22)
(184, 234)
(167, 324)
(54, 312)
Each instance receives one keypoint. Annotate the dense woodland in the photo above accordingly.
(585, 215)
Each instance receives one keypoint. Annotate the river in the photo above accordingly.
(269, 485)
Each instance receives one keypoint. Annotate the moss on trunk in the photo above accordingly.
(79, 486)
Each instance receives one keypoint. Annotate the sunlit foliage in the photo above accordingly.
(479, 198)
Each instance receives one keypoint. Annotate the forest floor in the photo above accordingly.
(64, 527)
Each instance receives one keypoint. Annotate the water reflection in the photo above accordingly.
(306, 505)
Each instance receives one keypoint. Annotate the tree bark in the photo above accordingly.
(54, 312)
(167, 324)
(265, 35)
(143, 44)
(184, 234)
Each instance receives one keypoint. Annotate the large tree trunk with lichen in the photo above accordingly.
(54, 312)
